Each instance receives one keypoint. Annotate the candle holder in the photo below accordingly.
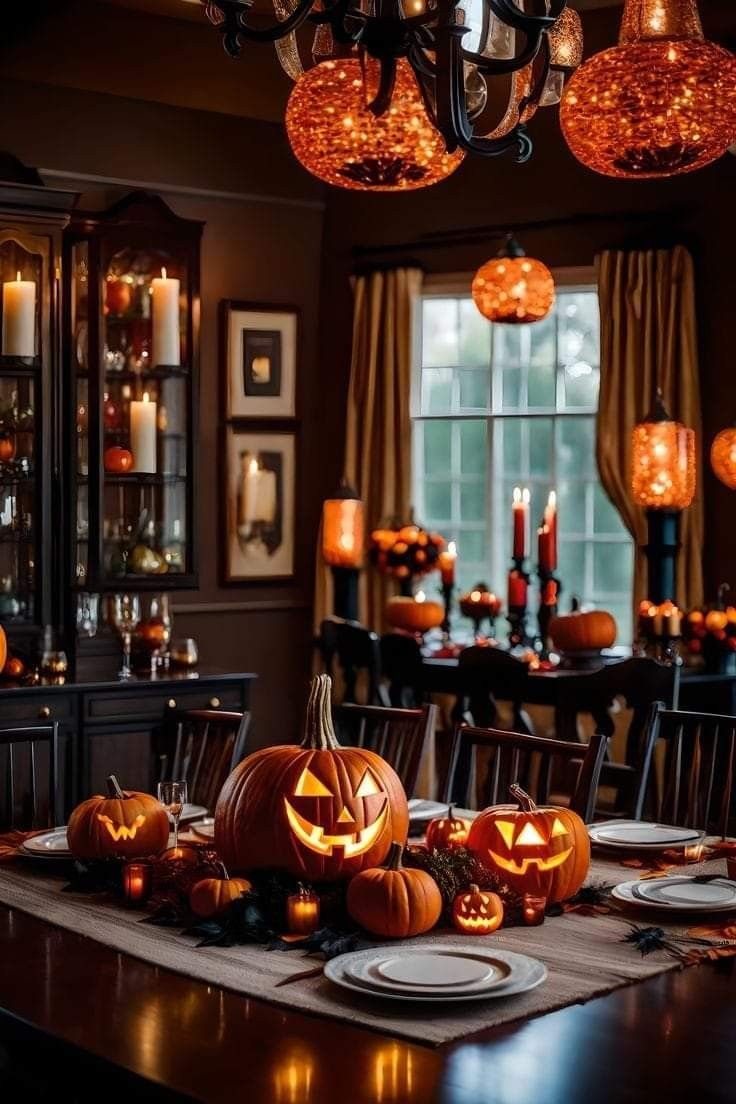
(477, 605)
(517, 606)
(532, 909)
(660, 631)
(550, 589)
(447, 592)
(137, 878)
(342, 548)
(302, 911)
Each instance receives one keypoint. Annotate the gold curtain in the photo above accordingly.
(649, 340)
(378, 421)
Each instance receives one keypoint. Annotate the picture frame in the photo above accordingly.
(259, 349)
(259, 514)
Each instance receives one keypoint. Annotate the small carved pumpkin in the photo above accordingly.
(543, 851)
(583, 632)
(213, 896)
(318, 810)
(447, 831)
(394, 901)
(122, 825)
(477, 911)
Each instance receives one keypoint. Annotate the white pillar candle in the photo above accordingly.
(19, 318)
(166, 340)
(266, 508)
(143, 435)
(258, 502)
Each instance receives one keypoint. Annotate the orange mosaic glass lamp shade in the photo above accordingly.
(662, 462)
(342, 529)
(723, 457)
(661, 103)
(339, 140)
(513, 288)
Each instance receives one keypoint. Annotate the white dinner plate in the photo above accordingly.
(496, 973)
(636, 835)
(204, 827)
(531, 973)
(421, 810)
(431, 969)
(679, 893)
(192, 812)
(48, 845)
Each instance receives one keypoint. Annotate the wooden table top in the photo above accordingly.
(666, 1039)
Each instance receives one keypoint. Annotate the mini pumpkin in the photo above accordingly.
(318, 810)
(7, 447)
(124, 824)
(118, 460)
(414, 615)
(583, 632)
(477, 911)
(447, 831)
(213, 896)
(544, 851)
(394, 901)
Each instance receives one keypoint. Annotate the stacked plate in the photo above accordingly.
(680, 893)
(436, 974)
(422, 811)
(638, 835)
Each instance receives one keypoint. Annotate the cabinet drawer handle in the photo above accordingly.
(171, 703)
(214, 703)
(44, 713)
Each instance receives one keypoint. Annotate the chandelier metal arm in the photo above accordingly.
(230, 18)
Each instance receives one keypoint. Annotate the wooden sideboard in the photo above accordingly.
(106, 727)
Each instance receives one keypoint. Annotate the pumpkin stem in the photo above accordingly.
(113, 788)
(319, 732)
(223, 868)
(394, 856)
(525, 801)
(473, 889)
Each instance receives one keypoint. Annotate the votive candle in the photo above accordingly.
(302, 911)
(532, 909)
(136, 882)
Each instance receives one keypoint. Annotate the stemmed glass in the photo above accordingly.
(173, 797)
(126, 614)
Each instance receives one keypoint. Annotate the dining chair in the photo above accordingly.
(353, 649)
(528, 760)
(202, 746)
(31, 797)
(402, 667)
(485, 674)
(400, 736)
(699, 766)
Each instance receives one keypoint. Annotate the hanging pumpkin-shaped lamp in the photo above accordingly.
(337, 138)
(342, 548)
(513, 287)
(723, 456)
(662, 102)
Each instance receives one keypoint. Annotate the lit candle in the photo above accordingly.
(550, 520)
(166, 339)
(544, 548)
(520, 509)
(19, 318)
(258, 502)
(532, 909)
(447, 562)
(671, 619)
(136, 882)
(143, 434)
(420, 596)
(517, 590)
(302, 911)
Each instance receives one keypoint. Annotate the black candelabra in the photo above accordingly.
(550, 589)
(518, 587)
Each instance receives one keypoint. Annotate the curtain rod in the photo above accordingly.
(469, 235)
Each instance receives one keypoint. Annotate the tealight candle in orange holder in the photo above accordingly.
(532, 909)
(302, 911)
(136, 882)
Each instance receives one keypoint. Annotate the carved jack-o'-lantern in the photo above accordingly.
(477, 911)
(122, 825)
(318, 810)
(535, 850)
(447, 831)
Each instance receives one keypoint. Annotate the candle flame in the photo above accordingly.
(253, 466)
(475, 596)
(163, 273)
(526, 496)
(17, 275)
(146, 397)
(517, 495)
(452, 549)
(552, 500)
(420, 596)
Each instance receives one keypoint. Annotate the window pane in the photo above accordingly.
(541, 455)
(436, 391)
(611, 569)
(473, 448)
(439, 332)
(474, 389)
(576, 448)
(511, 389)
(475, 335)
(606, 518)
(471, 546)
(506, 346)
(472, 501)
(579, 349)
(571, 502)
(542, 341)
(572, 568)
(541, 387)
(438, 502)
(509, 433)
(437, 447)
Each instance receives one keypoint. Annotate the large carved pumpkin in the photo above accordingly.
(318, 810)
(535, 850)
(122, 825)
(393, 901)
(584, 632)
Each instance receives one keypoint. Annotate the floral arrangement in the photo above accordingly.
(405, 551)
(710, 633)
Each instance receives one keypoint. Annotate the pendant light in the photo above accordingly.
(513, 287)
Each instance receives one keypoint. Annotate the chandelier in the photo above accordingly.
(395, 92)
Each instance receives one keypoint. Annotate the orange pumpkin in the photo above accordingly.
(7, 446)
(393, 901)
(544, 851)
(13, 667)
(118, 460)
(3, 649)
(122, 825)
(318, 810)
(213, 896)
(477, 912)
(117, 296)
(414, 615)
(583, 632)
(447, 831)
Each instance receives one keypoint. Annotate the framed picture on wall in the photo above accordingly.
(259, 354)
(259, 505)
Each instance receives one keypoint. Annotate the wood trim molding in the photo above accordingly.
(265, 606)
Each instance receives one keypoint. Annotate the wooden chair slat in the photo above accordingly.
(25, 798)
(202, 746)
(399, 736)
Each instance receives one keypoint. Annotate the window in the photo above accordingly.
(502, 406)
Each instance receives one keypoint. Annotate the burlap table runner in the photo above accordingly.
(584, 955)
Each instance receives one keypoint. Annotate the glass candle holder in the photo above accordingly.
(694, 853)
(137, 877)
(532, 909)
(302, 911)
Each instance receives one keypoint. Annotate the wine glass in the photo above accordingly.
(173, 797)
(126, 614)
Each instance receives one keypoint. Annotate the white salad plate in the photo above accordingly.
(47, 845)
(421, 810)
(680, 893)
(637, 835)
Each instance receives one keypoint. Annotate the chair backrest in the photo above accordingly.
(398, 735)
(202, 746)
(29, 763)
(401, 663)
(528, 760)
(486, 673)
(354, 648)
(699, 767)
